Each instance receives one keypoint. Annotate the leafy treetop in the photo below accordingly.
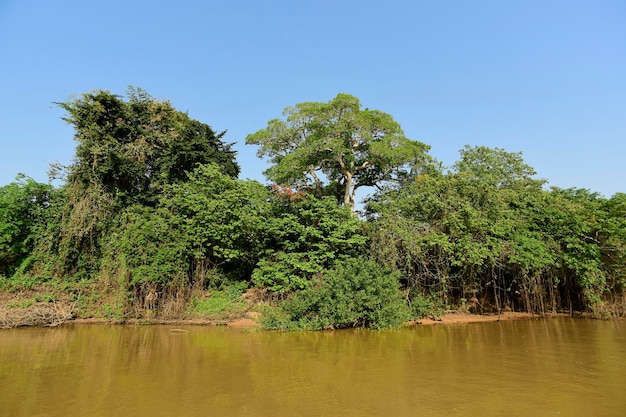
(134, 147)
(339, 142)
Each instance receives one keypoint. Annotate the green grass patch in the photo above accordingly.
(20, 303)
(220, 302)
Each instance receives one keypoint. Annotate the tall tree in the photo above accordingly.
(129, 151)
(495, 167)
(134, 147)
(337, 142)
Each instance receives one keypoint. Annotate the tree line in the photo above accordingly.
(152, 208)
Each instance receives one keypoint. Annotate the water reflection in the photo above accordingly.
(518, 368)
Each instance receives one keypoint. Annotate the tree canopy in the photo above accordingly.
(336, 148)
(129, 151)
(134, 147)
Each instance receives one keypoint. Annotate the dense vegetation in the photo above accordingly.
(152, 221)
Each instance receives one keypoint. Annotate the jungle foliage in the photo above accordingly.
(153, 216)
(486, 233)
(23, 212)
(357, 292)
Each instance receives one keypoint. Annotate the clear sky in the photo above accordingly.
(544, 77)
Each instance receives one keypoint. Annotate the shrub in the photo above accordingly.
(356, 293)
(304, 238)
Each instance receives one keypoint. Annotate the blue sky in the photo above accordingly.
(547, 78)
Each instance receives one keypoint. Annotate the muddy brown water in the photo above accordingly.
(554, 367)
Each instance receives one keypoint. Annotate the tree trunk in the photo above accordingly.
(348, 198)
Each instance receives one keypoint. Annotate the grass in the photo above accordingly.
(219, 303)
(20, 303)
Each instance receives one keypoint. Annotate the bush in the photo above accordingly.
(423, 305)
(304, 238)
(356, 293)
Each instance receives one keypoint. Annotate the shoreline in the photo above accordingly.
(250, 320)
(457, 317)
(42, 314)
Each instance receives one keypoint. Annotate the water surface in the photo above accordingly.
(556, 367)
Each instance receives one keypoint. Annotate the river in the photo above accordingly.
(552, 367)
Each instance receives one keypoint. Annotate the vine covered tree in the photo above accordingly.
(338, 143)
(135, 147)
(130, 149)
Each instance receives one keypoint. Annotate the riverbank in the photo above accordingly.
(58, 313)
(249, 320)
(460, 317)
(45, 308)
